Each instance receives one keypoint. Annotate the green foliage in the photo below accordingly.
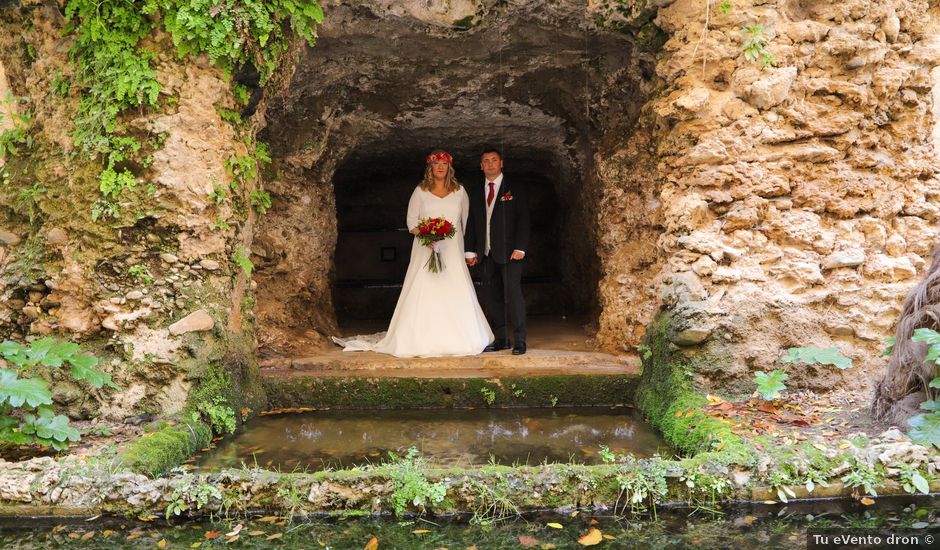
(489, 395)
(642, 483)
(644, 352)
(113, 70)
(725, 7)
(241, 94)
(218, 194)
(190, 493)
(410, 486)
(820, 356)
(141, 274)
(889, 349)
(26, 412)
(242, 259)
(28, 199)
(11, 139)
(770, 385)
(219, 223)
(212, 402)
(755, 45)
(864, 477)
(261, 200)
(925, 428)
(911, 479)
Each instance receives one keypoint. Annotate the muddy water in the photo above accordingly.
(340, 439)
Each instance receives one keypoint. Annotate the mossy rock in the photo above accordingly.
(160, 451)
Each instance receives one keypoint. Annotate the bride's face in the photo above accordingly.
(439, 168)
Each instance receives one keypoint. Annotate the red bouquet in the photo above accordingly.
(433, 231)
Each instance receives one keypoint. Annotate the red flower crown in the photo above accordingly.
(440, 155)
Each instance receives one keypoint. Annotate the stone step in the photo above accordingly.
(375, 365)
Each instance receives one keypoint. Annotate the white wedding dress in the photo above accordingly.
(437, 313)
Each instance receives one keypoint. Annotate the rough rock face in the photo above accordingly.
(777, 205)
(120, 281)
(798, 200)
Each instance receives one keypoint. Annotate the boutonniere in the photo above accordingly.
(507, 196)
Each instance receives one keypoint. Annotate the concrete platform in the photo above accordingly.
(557, 347)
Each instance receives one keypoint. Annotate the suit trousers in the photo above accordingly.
(502, 292)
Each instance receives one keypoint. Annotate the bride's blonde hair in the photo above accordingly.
(451, 184)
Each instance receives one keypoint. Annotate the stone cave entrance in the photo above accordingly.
(373, 246)
(350, 130)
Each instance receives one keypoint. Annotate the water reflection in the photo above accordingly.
(339, 439)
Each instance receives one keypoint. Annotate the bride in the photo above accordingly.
(437, 313)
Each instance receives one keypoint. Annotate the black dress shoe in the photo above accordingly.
(519, 348)
(496, 346)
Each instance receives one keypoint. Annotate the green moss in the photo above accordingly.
(158, 452)
(417, 393)
(667, 397)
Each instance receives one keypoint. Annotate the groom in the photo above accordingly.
(497, 237)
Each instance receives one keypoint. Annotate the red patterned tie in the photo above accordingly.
(489, 198)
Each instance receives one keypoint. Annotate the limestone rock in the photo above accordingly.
(772, 89)
(169, 258)
(694, 100)
(844, 258)
(56, 236)
(209, 265)
(8, 238)
(196, 321)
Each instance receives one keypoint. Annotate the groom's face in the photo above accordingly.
(491, 165)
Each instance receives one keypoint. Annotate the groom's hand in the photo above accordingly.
(517, 255)
(472, 261)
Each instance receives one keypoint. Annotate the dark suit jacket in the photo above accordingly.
(509, 223)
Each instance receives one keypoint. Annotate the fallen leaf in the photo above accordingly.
(196, 544)
(592, 537)
(594, 522)
(275, 536)
(767, 407)
(58, 529)
(255, 533)
(209, 535)
(162, 543)
(820, 447)
(231, 539)
(107, 533)
(527, 541)
(575, 513)
(93, 518)
(844, 446)
(420, 531)
(678, 413)
(88, 535)
(555, 525)
(867, 501)
(373, 544)
(609, 537)
(135, 535)
(238, 529)
(146, 517)
(268, 519)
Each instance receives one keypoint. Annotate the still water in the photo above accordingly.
(764, 528)
(341, 439)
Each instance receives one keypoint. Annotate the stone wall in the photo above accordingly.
(798, 200)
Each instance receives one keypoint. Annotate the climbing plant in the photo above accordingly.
(113, 66)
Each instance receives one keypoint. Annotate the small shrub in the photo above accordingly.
(411, 487)
(26, 412)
